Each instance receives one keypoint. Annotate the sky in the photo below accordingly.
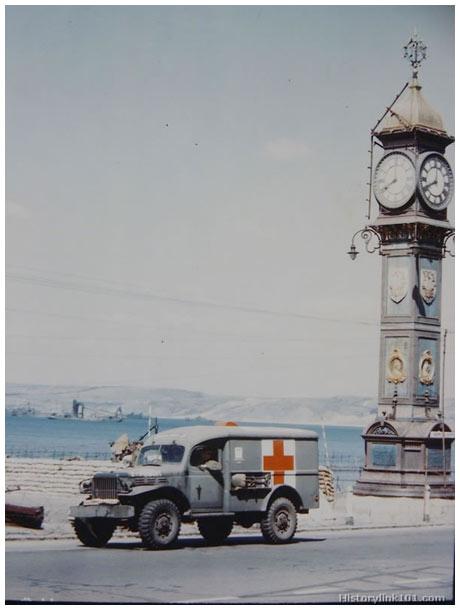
(182, 186)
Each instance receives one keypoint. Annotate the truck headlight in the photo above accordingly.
(86, 486)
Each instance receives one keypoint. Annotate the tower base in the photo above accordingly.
(407, 459)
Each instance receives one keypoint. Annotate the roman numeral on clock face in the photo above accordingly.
(435, 182)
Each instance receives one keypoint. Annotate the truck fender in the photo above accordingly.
(284, 491)
(142, 489)
(143, 494)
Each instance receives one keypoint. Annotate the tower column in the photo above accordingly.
(408, 446)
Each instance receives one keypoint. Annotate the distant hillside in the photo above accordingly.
(104, 400)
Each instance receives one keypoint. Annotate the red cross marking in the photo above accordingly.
(278, 462)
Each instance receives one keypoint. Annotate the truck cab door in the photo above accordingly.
(205, 485)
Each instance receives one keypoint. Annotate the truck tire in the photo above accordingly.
(280, 522)
(159, 524)
(215, 529)
(94, 532)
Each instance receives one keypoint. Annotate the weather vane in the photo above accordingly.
(415, 53)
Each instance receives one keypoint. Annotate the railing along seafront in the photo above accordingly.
(22, 452)
(346, 468)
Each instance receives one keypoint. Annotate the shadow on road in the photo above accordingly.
(196, 543)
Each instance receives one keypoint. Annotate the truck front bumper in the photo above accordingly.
(109, 511)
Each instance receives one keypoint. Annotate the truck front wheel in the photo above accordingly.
(94, 532)
(159, 524)
(215, 529)
(280, 522)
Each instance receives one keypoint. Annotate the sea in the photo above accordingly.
(340, 447)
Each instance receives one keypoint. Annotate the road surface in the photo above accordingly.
(389, 565)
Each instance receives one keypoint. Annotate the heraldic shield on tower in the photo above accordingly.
(408, 446)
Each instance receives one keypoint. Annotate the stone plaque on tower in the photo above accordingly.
(407, 447)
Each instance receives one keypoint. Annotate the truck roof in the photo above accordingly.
(198, 434)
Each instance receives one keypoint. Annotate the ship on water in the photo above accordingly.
(78, 413)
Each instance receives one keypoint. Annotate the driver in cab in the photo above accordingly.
(207, 461)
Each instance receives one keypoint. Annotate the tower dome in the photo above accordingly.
(413, 111)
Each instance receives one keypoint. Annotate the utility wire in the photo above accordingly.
(149, 296)
(142, 294)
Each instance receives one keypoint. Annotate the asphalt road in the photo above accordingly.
(393, 565)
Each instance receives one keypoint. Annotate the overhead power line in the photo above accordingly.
(142, 294)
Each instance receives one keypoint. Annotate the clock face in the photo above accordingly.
(394, 180)
(435, 182)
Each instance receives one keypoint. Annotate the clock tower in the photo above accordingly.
(408, 446)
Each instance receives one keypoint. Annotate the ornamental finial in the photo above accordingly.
(415, 53)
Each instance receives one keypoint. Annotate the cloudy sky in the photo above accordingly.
(183, 184)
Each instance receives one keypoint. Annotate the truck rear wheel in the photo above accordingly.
(94, 532)
(159, 524)
(280, 522)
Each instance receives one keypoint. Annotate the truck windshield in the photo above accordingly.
(157, 454)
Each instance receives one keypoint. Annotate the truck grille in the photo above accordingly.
(105, 488)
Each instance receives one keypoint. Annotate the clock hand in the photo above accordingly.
(389, 184)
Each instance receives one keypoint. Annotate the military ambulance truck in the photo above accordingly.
(215, 475)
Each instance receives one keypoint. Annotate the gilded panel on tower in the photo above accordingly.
(427, 367)
(395, 362)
